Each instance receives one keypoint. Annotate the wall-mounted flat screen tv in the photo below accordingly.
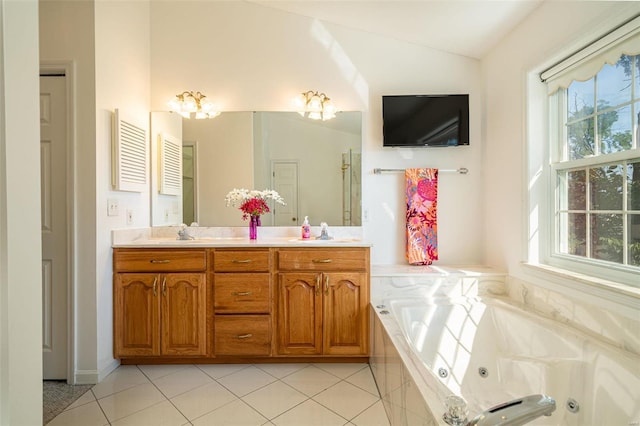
(425, 120)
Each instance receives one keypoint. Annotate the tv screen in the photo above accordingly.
(425, 120)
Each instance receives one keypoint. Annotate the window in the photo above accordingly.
(595, 168)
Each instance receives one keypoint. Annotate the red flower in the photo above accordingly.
(253, 207)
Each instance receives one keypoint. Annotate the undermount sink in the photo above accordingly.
(329, 241)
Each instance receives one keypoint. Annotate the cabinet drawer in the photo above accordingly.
(242, 293)
(243, 335)
(323, 259)
(241, 260)
(137, 260)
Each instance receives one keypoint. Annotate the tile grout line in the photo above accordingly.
(100, 407)
(166, 397)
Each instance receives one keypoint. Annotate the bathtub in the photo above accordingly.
(489, 351)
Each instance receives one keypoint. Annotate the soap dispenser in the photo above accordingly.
(306, 228)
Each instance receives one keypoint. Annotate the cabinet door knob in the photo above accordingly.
(245, 336)
(241, 293)
(321, 260)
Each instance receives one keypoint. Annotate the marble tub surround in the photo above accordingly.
(604, 321)
(343, 236)
(436, 281)
(609, 323)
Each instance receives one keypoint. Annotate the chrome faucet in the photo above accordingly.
(324, 232)
(183, 233)
(513, 413)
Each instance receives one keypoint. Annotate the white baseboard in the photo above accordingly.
(85, 377)
(108, 368)
(91, 377)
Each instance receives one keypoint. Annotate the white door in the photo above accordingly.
(53, 180)
(285, 182)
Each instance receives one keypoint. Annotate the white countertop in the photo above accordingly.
(234, 237)
(241, 242)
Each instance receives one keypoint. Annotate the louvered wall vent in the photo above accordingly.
(170, 158)
(130, 154)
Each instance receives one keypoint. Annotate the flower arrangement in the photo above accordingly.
(252, 202)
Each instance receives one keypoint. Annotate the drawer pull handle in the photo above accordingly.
(241, 261)
(321, 260)
(156, 261)
(241, 293)
(245, 336)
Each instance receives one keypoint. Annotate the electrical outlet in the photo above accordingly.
(129, 216)
(113, 207)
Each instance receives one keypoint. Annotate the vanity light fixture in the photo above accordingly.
(316, 106)
(193, 105)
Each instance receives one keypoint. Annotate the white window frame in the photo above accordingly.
(548, 251)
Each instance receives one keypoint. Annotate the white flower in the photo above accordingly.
(236, 197)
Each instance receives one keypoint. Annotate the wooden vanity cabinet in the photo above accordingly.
(160, 303)
(323, 296)
(242, 301)
(249, 304)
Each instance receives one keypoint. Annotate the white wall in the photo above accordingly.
(250, 57)
(75, 45)
(108, 46)
(122, 81)
(507, 70)
(20, 264)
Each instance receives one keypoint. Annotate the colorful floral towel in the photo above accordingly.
(422, 222)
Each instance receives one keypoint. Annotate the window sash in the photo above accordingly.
(560, 164)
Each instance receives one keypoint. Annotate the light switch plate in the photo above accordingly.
(113, 207)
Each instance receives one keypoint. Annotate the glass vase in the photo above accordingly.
(254, 221)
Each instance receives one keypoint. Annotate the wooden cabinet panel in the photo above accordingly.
(322, 309)
(136, 315)
(184, 316)
(299, 313)
(168, 260)
(346, 259)
(243, 335)
(346, 316)
(160, 314)
(225, 260)
(238, 293)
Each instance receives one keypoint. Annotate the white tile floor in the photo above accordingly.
(231, 394)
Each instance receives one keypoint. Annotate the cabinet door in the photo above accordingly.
(346, 327)
(299, 313)
(184, 317)
(136, 315)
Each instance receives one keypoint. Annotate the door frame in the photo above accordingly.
(196, 181)
(272, 179)
(67, 69)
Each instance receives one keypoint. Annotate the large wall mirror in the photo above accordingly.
(314, 165)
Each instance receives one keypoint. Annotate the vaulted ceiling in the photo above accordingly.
(465, 27)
